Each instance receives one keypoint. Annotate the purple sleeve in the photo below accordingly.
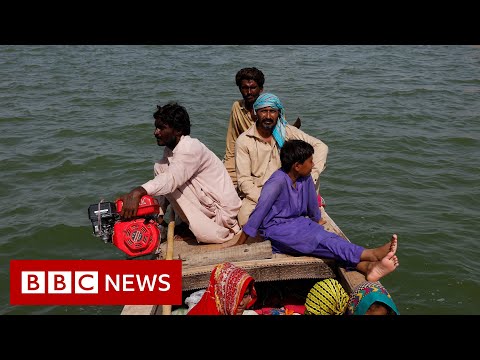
(268, 195)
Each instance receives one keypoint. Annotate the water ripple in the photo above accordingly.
(402, 124)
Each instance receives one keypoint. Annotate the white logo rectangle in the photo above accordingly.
(59, 282)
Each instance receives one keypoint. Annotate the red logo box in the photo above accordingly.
(95, 282)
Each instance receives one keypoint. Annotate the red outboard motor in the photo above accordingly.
(136, 237)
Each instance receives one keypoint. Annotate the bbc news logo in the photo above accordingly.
(95, 282)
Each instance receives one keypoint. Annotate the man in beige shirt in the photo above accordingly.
(250, 83)
(257, 151)
(191, 178)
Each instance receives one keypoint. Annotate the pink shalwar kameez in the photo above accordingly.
(195, 182)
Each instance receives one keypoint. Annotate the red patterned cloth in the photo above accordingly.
(225, 291)
(298, 309)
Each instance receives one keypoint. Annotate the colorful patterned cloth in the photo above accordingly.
(285, 310)
(270, 100)
(326, 297)
(225, 291)
(365, 294)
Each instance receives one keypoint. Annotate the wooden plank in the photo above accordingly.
(260, 250)
(167, 309)
(351, 278)
(275, 269)
(139, 310)
(189, 245)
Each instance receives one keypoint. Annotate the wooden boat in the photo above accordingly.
(271, 271)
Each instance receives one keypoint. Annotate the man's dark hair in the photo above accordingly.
(294, 151)
(251, 73)
(175, 116)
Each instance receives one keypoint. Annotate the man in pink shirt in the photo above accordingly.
(191, 178)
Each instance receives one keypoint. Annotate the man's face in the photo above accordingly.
(267, 118)
(250, 91)
(165, 135)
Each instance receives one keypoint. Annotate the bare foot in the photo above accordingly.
(380, 252)
(183, 233)
(379, 269)
(218, 246)
(394, 243)
(184, 238)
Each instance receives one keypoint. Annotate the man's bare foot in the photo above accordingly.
(188, 239)
(183, 233)
(379, 269)
(236, 237)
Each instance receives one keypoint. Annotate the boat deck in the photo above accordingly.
(256, 257)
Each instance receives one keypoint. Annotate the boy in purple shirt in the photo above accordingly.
(288, 215)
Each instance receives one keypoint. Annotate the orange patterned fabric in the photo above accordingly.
(225, 291)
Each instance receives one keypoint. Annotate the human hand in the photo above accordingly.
(161, 221)
(130, 202)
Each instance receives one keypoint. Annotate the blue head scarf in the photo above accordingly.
(267, 99)
(365, 294)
